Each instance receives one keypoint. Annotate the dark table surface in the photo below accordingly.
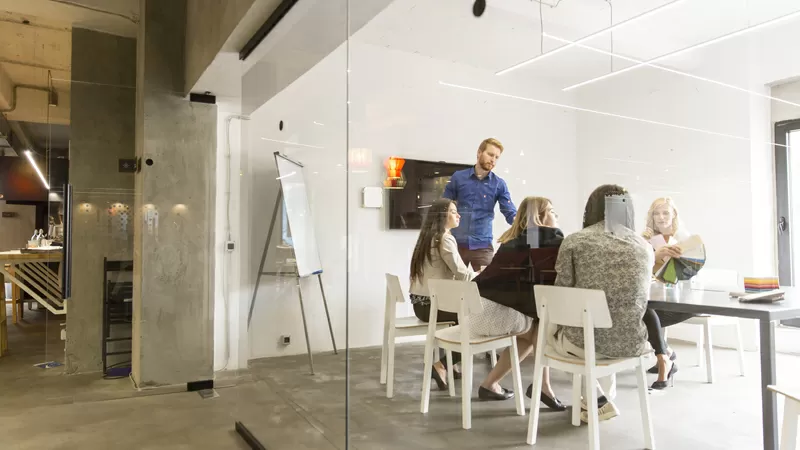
(719, 303)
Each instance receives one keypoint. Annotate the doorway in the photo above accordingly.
(787, 188)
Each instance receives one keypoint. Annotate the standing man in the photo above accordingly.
(476, 190)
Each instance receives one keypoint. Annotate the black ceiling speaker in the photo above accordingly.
(479, 7)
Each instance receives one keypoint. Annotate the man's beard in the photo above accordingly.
(487, 167)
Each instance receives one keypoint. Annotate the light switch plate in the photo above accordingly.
(372, 197)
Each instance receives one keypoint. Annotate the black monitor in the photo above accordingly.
(425, 183)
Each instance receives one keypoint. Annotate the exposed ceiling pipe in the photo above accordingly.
(52, 98)
(92, 8)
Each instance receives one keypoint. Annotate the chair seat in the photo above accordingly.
(551, 354)
(453, 336)
(413, 322)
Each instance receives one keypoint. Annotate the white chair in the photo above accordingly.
(586, 309)
(395, 327)
(791, 414)
(463, 297)
(716, 280)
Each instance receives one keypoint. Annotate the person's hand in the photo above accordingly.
(668, 251)
(648, 233)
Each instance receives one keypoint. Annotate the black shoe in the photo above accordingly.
(486, 394)
(670, 381)
(672, 357)
(439, 381)
(456, 375)
(552, 403)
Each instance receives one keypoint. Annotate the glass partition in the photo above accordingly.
(525, 108)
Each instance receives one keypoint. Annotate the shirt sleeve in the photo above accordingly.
(506, 205)
(449, 252)
(565, 269)
(450, 188)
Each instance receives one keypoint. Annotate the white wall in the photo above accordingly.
(230, 332)
(397, 108)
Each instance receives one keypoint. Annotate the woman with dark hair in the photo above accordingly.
(618, 262)
(436, 257)
(515, 269)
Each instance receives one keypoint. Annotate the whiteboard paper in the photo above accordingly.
(298, 211)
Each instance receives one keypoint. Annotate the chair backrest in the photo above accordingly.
(569, 306)
(717, 280)
(394, 294)
(461, 297)
(455, 296)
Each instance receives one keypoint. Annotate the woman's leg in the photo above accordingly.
(423, 313)
(655, 335)
(525, 345)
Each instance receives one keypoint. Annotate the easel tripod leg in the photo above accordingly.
(305, 326)
(327, 314)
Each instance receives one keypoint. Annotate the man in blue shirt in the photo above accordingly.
(476, 190)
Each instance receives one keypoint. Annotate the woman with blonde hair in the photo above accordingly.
(507, 283)
(664, 231)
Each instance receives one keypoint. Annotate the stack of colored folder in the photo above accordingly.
(760, 284)
(687, 266)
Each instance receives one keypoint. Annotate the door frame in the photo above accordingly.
(784, 218)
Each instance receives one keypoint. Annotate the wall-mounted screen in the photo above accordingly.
(425, 183)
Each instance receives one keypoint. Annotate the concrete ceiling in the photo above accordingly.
(36, 57)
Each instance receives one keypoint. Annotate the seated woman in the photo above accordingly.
(510, 278)
(618, 263)
(664, 232)
(436, 257)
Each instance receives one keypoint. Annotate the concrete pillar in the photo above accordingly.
(102, 131)
(173, 272)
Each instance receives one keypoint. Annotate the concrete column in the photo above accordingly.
(102, 131)
(174, 263)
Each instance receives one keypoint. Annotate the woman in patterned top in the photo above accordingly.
(618, 263)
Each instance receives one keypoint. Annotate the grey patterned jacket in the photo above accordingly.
(620, 265)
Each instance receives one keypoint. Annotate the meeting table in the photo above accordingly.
(719, 303)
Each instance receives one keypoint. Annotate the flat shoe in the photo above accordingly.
(552, 403)
(486, 394)
(439, 381)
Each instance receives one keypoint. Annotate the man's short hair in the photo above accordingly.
(488, 142)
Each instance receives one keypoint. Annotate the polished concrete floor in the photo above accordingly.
(286, 408)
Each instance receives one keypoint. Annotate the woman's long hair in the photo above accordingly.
(650, 229)
(433, 228)
(595, 210)
(531, 212)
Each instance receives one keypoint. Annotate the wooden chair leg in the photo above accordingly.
(709, 352)
(644, 404)
(791, 413)
(517, 377)
(576, 399)
(466, 390)
(451, 378)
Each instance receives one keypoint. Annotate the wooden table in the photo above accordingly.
(30, 273)
(720, 304)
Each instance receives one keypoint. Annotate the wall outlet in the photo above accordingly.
(286, 339)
